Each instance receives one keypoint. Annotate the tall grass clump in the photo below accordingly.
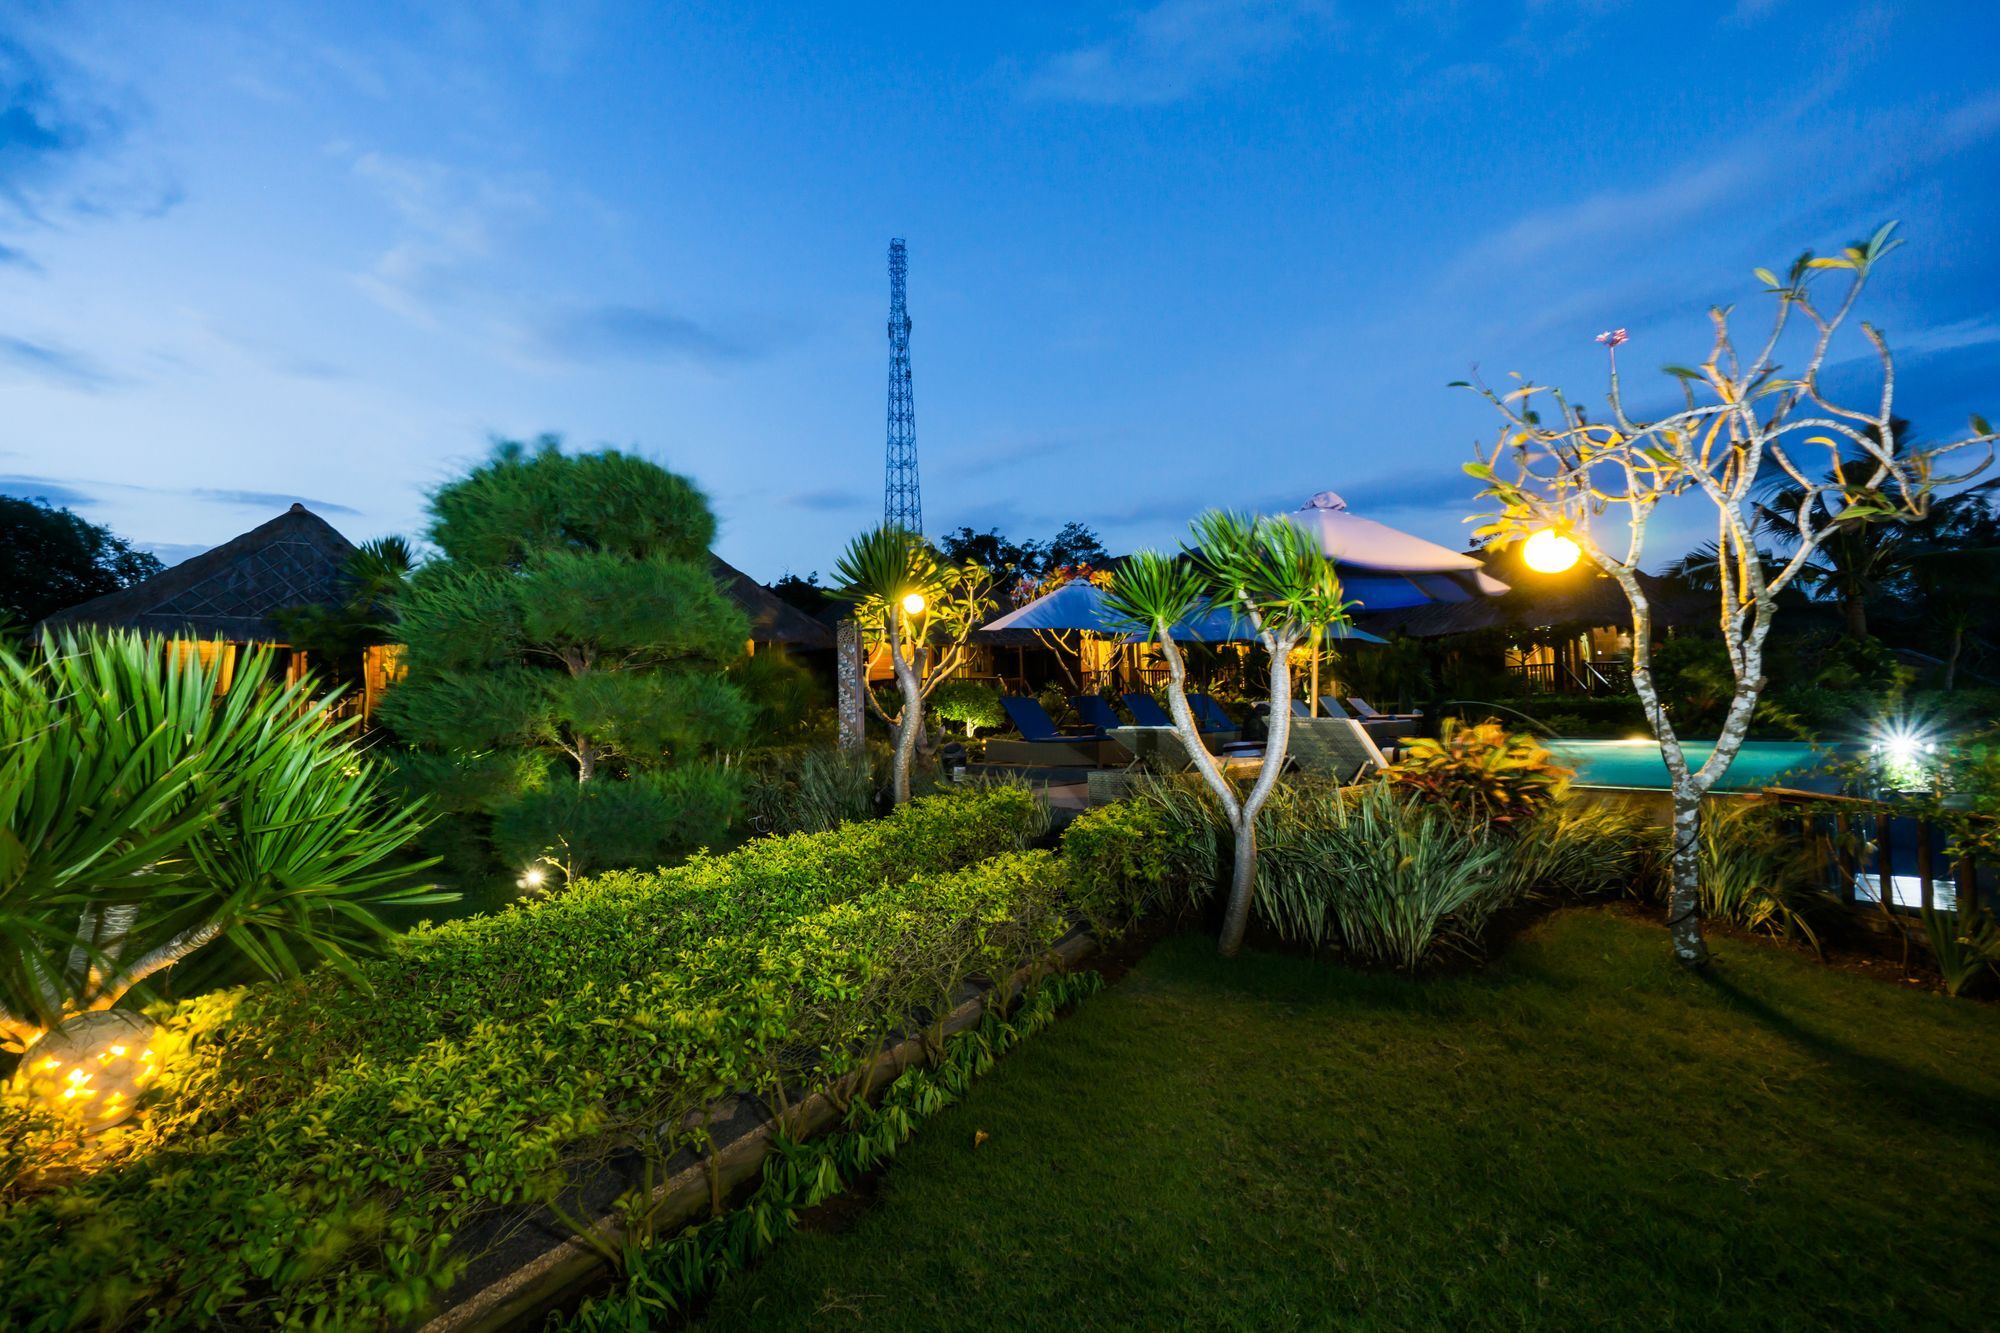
(1384, 879)
(1584, 849)
(1755, 875)
(808, 789)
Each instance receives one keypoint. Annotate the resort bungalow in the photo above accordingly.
(1568, 633)
(230, 597)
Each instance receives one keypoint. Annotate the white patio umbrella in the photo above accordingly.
(1384, 568)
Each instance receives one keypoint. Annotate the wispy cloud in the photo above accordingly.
(43, 488)
(11, 257)
(81, 491)
(829, 500)
(172, 553)
(50, 362)
(1624, 215)
(637, 333)
(66, 143)
(449, 220)
(1174, 49)
(258, 499)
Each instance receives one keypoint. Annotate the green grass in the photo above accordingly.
(1578, 1135)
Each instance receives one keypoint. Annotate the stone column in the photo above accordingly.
(848, 665)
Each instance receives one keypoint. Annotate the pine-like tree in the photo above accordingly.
(566, 656)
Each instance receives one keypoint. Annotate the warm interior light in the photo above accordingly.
(91, 1068)
(914, 603)
(1549, 552)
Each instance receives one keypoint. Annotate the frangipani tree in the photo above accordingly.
(923, 610)
(1271, 574)
(1743, 420)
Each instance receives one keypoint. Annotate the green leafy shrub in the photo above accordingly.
(1386, 878)
(1481, 773)
(1130, 856)
(659, 1281)
(579, 827)
(969, 704)
(320, 1144)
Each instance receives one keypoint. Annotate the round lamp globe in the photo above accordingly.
(91, 1068)
(1549, 552)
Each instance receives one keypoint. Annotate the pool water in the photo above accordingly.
(1637, 763)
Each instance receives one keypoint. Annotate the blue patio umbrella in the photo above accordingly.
(1220, 626)
(1077, 605)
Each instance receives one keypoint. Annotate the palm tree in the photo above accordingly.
(1860, 559)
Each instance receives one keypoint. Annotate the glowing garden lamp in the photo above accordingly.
(1549, 552)
(90, 1069)
(914, 603)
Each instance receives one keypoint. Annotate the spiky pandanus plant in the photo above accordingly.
(1274, 576)
(148, 809)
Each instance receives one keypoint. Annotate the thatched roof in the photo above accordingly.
(230, 591)
(772, 619)
(1581, 596)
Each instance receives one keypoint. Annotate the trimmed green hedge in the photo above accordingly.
(319, 1146)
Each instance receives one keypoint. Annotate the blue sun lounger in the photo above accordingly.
(1208, 714)
(1040, 745)
(1096, 711)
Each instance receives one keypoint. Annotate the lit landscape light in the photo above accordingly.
(913, 603)
(90, 1070)
(534, 877)
(1549, 552)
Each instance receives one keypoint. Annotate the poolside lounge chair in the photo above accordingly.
(1034, 723)
(1367, 712)
(1040, 744)
(1161, 750)
(1335, 747)
(1208, 714)
(1096, 710)
(1214, 724)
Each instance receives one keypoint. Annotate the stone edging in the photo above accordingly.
(544, 1281)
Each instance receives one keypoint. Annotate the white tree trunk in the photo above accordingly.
(909, 723)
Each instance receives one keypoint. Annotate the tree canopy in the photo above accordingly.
(52, 558)
(566, 656)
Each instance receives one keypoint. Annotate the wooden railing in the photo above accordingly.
(1853, 840)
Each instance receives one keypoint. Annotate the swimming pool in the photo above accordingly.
(1637, 763)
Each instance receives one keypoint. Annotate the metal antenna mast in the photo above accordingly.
(901, 503)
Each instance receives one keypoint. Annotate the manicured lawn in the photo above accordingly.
(1578, 1135)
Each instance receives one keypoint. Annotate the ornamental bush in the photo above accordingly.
(319, 1148)
(968, 704)
(1482, 774)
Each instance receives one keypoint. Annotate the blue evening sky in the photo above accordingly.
(1162, 256)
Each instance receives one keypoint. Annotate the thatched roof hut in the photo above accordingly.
(772, 620)
(1579, 598)
(231, 591)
